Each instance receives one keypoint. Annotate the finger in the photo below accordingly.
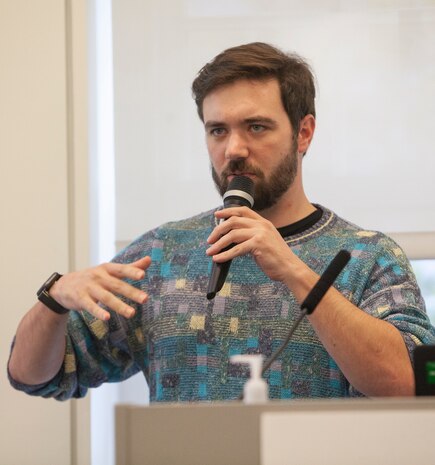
(116, 286)
(231, 224)
(142, 263)
(114, 303)
(94, 309)
(236, 251)
(236, 211)
(134, 271)
(236, 236)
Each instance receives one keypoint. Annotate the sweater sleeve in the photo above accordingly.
(99, 351)
(96, 352)
(392, 294)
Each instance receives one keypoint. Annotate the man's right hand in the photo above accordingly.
(40, 342)
(86, 289)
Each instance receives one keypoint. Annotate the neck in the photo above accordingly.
(291, 207)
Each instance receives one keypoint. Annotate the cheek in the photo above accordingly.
(216, 153)
(269, 152)
(278, 148)
(209, 144)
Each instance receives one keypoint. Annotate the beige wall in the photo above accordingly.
(43, 203)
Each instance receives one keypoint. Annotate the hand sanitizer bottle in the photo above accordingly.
(256, 390)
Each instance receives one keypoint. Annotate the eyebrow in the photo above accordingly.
(213, 124)
(260, 119)
(251, 120)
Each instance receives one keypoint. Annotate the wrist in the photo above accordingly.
(47, 298)
(55, 290)
(300, 279)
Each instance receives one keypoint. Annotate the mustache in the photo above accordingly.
(240, 166)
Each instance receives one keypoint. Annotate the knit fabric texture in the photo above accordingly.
(182, 342)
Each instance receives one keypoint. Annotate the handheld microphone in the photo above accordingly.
(312, 300)
(240, 193)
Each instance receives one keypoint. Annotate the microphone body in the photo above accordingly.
(325, 281)
(240, 193)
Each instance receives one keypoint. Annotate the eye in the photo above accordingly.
(217, 132)
(257, 128)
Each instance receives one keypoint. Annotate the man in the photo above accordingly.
(257, 106)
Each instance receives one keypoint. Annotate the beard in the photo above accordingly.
(267, 192)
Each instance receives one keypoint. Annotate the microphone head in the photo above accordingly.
(240, 192)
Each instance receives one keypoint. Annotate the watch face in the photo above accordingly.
(50, 281)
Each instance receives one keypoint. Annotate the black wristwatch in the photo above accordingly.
(46, 298)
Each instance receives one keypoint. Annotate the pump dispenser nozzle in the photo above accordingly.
(256, 390)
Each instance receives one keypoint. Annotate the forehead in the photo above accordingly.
(244, 98)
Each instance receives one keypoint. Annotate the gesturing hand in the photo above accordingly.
(86, 289)
(251, 234)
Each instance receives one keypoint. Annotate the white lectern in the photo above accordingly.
(304, 432)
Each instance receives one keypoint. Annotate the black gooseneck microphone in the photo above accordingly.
(312, 300)
(240, 193)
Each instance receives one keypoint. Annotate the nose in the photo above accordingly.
(237, 147)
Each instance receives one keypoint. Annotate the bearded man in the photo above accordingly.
(147, 310)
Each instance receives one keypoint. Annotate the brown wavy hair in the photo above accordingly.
(260, 61)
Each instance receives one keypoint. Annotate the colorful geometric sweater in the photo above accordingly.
(182, 342)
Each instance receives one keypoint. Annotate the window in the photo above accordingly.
(425, 273)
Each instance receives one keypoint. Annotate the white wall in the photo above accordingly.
(43, 203)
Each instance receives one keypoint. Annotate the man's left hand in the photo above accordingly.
(251, 234)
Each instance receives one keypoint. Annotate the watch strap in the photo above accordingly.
(47, 299)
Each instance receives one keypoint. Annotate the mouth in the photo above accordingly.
(247, 175)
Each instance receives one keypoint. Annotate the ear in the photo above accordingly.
(306, 132)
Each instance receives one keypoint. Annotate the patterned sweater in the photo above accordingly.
(182, 342)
